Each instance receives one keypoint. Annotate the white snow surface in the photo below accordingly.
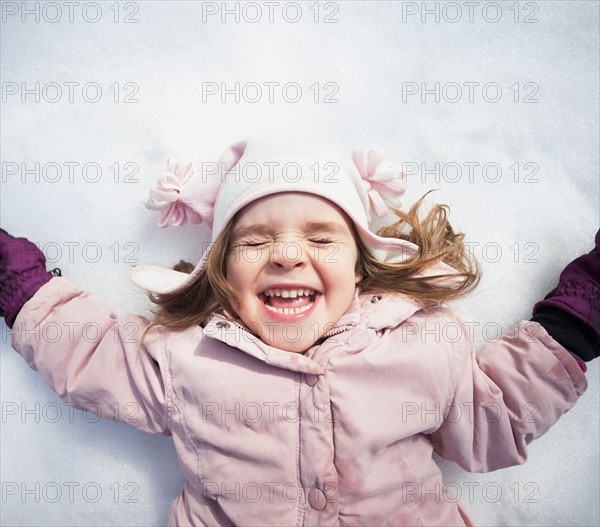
(62, 467)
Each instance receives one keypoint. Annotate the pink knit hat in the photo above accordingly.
(361, 184)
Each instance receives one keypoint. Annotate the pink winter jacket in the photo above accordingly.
(342, 435)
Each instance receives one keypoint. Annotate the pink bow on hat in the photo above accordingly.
(165, 195)
(384, 181)
(185, 195)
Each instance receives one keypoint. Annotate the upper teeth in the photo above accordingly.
(289, 293)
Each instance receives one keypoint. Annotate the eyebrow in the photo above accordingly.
(310, 227)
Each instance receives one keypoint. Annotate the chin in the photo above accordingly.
(293, 347)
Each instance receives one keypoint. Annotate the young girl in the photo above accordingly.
(307, 367)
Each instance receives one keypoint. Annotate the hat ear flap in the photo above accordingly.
(210, 189)
(230, 158)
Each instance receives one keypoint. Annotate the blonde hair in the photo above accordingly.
(434, 235)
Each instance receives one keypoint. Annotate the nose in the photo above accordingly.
(288, 255)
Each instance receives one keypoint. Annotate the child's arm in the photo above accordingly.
(511, 393)
(87, 356)
(519, 386)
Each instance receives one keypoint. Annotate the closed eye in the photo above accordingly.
(253, 244)
(322, 241)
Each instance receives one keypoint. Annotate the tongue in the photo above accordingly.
(280, 302)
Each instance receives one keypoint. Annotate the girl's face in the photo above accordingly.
(292, 260)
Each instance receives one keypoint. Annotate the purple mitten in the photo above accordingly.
(22, 273)
(571, 312)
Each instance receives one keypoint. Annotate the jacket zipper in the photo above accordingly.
(339, 330)
(330, 333)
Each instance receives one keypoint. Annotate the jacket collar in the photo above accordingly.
(366, 311)
(379, 312)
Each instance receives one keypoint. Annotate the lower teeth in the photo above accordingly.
(290, 311)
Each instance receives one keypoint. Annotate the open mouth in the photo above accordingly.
(288, 301)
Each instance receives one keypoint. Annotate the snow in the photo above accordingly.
(520, 175)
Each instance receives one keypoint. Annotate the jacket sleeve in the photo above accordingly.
(505, 396)
(90, 358)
